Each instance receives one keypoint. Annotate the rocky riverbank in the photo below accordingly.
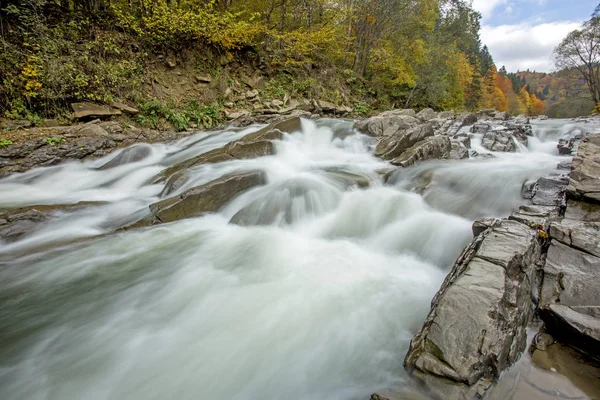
(540, 263)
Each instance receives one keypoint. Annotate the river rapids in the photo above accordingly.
(313, 293)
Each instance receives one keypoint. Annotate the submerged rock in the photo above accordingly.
(130, 155)
(209, 197)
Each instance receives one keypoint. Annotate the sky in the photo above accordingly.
(521, 34)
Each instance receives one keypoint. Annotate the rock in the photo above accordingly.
(580, 329)
(467, 118)
(584, 236)
(237, 114)
(522, 119)
(255, 144)
(565, 165)
(446, 114)
(393, 146)
(125, 108)
(501, 115)
(432, 148)
(18, 223)
(204, 78)
(91, 110)
(528, 189)
(459, 151)
(542, 117)
(464, 139)
(326, 106)
(486, 113)
(584, 183)
(477, 326)
(386, 125)
(427, 114)
(252, 94)
(569, 143)
(483, 224)
(550, 191)
(174, 183)
(453, 127)
(481, 127)
(206, 198)
(402, 112)
(498, 141)
(537, 217)
(580, 211)
(277, 103)
(129, 155)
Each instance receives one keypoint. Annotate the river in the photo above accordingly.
(314, 292)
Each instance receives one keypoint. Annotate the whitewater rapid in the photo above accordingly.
(314, 292)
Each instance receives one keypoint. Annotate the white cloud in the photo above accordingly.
(524, 45)
(486, 7)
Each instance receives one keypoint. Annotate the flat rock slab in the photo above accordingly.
(91, 110)
(432, 148)
(206, 198)
(477, 324)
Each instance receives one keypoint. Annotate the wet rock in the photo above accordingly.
(18, 223)
(388, 125)
(432, 148)
(130, 155)
(481, 127)
(462, 120)
(550, 191)
(499, 140)
(390, 147)
(536, 217)
(427, 114)
(91, 110)
(565, 165)
(477, 324)
(584, 181)
(483, 224)
(463, 138)
(459, 151)
(569, 143)
(174, 183)
(206, 198)
(528, 189)
(580, 329)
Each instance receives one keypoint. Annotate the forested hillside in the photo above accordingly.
(185, 59)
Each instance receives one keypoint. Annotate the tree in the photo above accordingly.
(580, 50)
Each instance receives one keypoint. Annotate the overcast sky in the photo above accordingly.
(521, 34)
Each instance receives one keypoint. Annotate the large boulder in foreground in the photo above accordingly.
(477, 326)
(209, 197)
(584, 184)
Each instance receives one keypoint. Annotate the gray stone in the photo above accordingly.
(91, 110)
(427, 114)
(584, 184)
(432, 148)
(390, 147)
(206, 198)
(477, 326)
(459, 151)
(498, 141)
(386, 125)
(129, 155)
(550, 191)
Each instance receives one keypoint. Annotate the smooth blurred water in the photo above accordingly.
(315, 293)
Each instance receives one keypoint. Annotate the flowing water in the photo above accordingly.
(314, 293)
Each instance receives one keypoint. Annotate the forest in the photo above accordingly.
(369, 54)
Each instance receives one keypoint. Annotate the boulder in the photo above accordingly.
(129, 155)
(386, 125)
(486, 113)
(522, 119)
(91, 110)
(498, 140)
(446, 114)
(481, 127)
(427, 114)
(432, 148)
(578, 326)
(584, 183)
(459, 150)
(582, 211)
(569, 143)
(501, 115)
(550, 190)
(209, 197)
(477, 326)
(326, 106)
(391, 147)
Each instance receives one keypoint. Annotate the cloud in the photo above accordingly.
(522, 46)
(486, 7)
